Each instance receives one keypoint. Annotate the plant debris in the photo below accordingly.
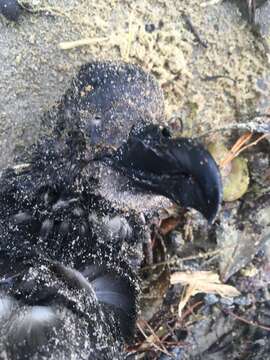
(201, 282)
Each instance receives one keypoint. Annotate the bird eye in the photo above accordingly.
(166, 132)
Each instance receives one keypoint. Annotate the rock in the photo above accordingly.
(11, 9)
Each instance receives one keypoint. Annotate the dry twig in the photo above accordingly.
(67, 45)
(251, 323)
(240, 146)
(191, 257)
(151, 339)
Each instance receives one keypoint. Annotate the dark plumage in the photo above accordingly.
(53, 311)
(70, 214)
(68, 292)
(106, 100)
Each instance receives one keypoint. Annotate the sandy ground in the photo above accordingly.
(35, 71)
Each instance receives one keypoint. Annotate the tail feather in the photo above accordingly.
(25, 329)
(31, 328)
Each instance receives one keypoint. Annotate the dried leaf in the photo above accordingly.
(186, 278)
(169, 225)
(201, 282)
(190, 291)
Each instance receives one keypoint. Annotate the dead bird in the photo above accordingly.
(69, 207)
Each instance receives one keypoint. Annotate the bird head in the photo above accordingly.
(177, 168)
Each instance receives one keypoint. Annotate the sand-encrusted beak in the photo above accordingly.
(178, 168)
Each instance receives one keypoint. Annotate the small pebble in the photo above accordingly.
(177, 242)
(10, 9)
(211, 299)
(160, 24)
(175, 353)
(150, 28)
(243, 301)
(227, 302)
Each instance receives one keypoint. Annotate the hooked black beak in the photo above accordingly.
(178, 168)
